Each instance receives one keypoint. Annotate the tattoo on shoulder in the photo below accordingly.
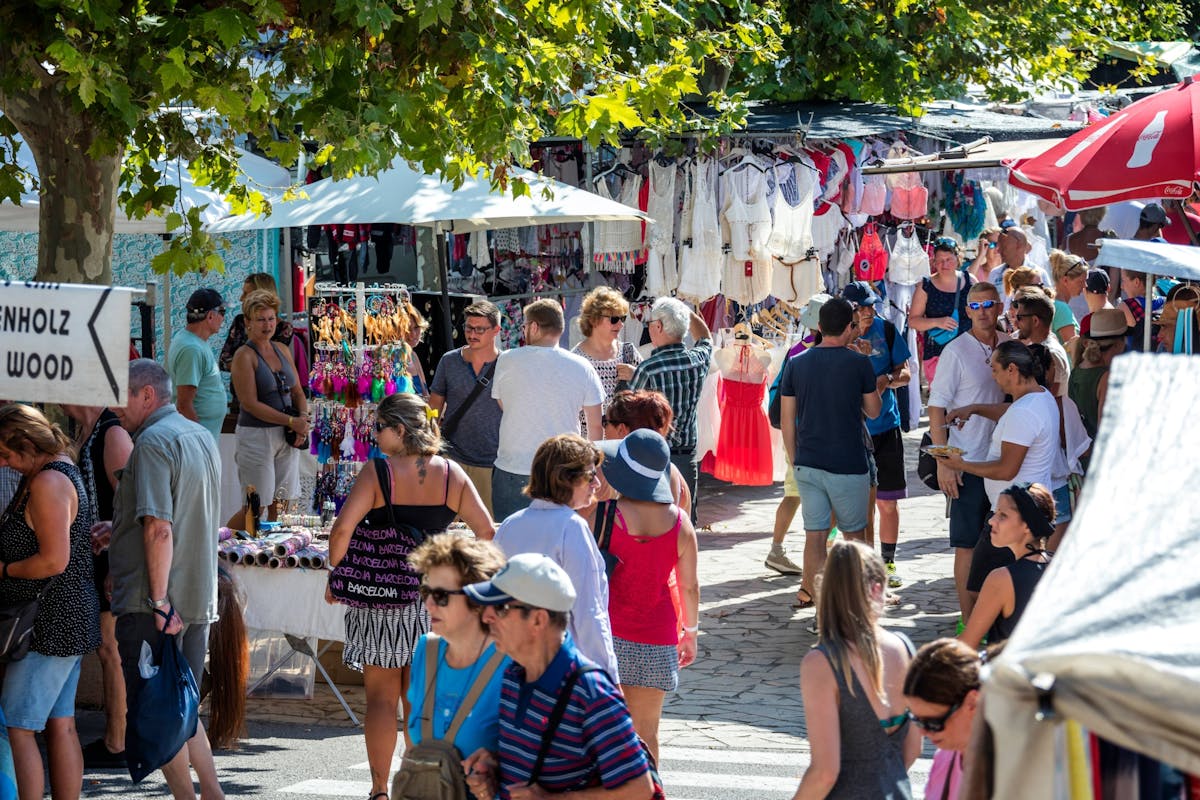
(421, 470)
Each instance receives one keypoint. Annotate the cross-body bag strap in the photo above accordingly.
(468, 702)
(483, 381)
(383, 471)
(555, 718)
(433, 644)
(606, 515)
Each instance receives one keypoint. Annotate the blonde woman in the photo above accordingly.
(601, 321)
(272, 399)
(1070, 274)
(425, 491)
(852, 684)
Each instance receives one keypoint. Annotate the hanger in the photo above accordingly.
(747, 161)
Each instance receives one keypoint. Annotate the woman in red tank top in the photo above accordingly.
(651, 537)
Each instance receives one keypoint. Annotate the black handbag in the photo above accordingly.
(927, 464)
(17, 619)
(606, 515)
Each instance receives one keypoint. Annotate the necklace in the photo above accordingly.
(987, 351)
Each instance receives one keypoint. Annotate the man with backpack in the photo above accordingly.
(564, 726)
(879, 340)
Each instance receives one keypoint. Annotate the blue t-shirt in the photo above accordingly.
(828, 384)
(482, 726)
(883, 362)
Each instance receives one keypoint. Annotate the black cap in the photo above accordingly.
(1097, 281)
(1153, 214)
(203, 301)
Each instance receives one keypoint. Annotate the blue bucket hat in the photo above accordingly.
(639, 466)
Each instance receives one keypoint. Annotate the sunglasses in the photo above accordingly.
(381, 426)
(934, 724)
(220, 310)
(946, 243)
(441, 597)
(590, 474)
(1023, 316)
(978, 304)
(615, 320)
(503, 609)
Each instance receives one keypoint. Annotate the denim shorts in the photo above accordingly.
(38, 688)
(823, 494)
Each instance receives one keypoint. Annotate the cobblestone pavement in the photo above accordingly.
(743, 691)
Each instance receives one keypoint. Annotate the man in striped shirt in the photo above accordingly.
(594, 746)
(678, 372)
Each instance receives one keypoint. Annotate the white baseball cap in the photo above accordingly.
(531, 578)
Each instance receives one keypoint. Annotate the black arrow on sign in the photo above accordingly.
(112, 380)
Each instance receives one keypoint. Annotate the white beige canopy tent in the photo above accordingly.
(1111, 638)
(1156, 259)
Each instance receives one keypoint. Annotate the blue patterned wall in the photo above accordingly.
(253, 251)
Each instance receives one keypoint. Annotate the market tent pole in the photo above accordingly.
(1146, 326)
(439, 234)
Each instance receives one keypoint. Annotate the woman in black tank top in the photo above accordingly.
(1023, 522)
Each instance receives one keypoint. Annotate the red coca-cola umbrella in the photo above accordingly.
(1150, 150)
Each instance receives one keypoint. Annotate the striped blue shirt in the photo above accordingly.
(594, 745)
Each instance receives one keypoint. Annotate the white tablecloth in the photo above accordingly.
(290, 601)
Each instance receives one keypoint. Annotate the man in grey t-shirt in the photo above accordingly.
(163, 551)
(471, 432)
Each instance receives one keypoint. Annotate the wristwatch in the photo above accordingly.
(158, 604)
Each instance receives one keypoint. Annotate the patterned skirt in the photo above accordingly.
(383, 637)
(655, 666)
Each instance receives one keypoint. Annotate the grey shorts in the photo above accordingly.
(823, 494)
(266, 462)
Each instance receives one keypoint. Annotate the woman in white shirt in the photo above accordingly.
(1025, 443)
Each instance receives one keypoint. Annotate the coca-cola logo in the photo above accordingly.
(1176, 191)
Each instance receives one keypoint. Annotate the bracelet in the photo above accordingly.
(289, 422)
(692, 629)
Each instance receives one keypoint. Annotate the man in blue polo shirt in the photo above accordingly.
(594, 746)
(879, 339)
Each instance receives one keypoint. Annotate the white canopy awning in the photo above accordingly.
(403, 195)
(257, 172)
(1158, 258)
(982, 155)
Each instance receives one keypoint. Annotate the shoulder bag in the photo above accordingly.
(432, 770)
(941, 336)
(482, 381)
(375, 572)
(606, 515)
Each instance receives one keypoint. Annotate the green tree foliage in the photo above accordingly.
(909, 51)
(457, 85)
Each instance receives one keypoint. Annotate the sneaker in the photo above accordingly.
(778, 561)
(893, 577)
(96, 755)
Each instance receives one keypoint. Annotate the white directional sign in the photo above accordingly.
(64, 343)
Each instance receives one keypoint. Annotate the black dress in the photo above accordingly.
(68, 621)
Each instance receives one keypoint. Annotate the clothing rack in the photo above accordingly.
(504, 298)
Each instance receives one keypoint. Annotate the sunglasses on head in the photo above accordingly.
(946, 243)
(934, 724)
(978, 304)
(441, 597)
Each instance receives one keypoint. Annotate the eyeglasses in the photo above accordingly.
(503, 609)
(480, 331)
(978, 304)
(615, 320)
(590, 474)
(934, 724)
(441, 597)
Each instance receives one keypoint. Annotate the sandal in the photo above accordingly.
(801, 602)
(891, 599)
(378, 795)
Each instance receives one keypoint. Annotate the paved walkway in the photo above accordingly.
(743, 690)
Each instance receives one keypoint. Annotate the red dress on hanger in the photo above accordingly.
(744, 443)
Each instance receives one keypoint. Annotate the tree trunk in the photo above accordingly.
(77, 193)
